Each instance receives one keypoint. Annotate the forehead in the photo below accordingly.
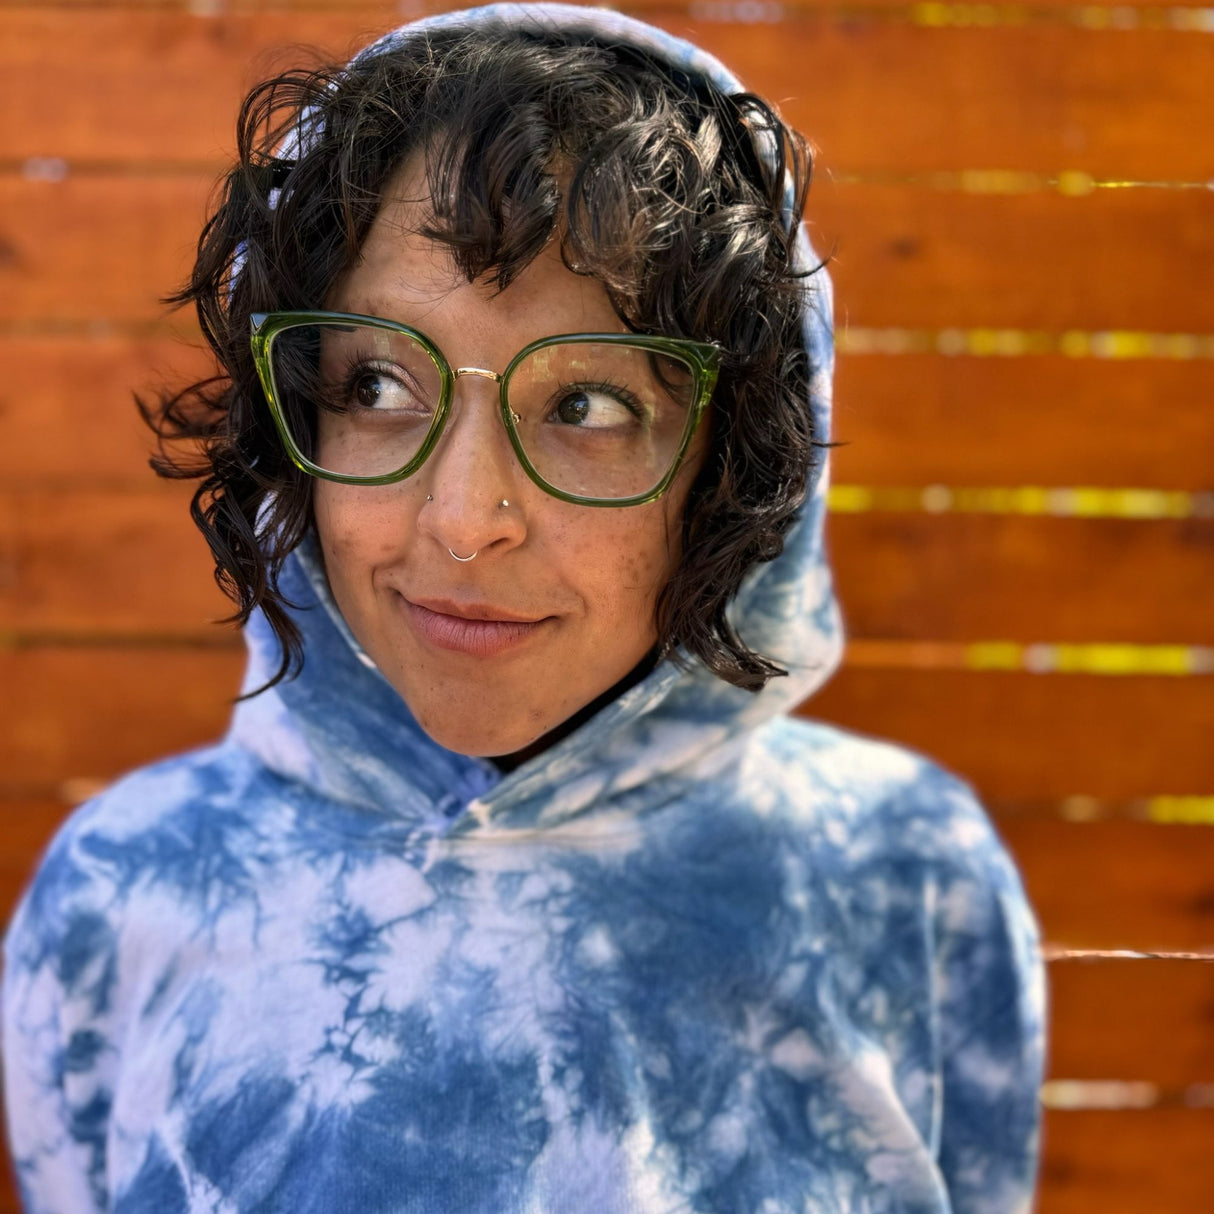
(404, 275)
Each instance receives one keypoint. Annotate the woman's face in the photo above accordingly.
(558, 605)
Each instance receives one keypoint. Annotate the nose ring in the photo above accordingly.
(463, 560)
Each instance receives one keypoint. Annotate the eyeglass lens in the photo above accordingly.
(595, 419)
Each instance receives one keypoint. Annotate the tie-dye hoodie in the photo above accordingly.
(698, 956)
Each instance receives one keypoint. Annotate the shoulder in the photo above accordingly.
(127, 878)
(159, 824)
(132, 878)
(876, 800)
(884, 831)
(909, 852)
(898, 832)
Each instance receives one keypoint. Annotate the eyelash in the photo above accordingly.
(628, 399)
(358, 365)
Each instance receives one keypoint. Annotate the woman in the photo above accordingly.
(512, 888)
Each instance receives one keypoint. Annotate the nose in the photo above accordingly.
(472, 477)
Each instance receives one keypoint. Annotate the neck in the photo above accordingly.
(509, 762)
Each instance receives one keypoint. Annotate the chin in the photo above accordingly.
(479, 740)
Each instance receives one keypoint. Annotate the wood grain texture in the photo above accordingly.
(924, 419)
(1149, 1021)
(94, 713)
(1118, 884)
(968, 577)
(67, 410)
(101, 561)
(983, 98)
(1019, 736)
(27, 825)
(1155, 1160)
(1118, 260)
(902, 256)
(1142, 1021)
(103, 249)
(889, 98)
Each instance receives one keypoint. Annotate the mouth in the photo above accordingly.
(481, 630)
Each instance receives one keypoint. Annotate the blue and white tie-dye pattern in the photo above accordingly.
(696, 957)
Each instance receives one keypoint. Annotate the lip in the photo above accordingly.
(474, 611)
(478, 629)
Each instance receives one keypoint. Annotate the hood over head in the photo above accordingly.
(342, 729)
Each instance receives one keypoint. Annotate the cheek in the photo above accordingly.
(622, 564)
(358, 528)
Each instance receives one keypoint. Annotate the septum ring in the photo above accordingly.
(463, 560)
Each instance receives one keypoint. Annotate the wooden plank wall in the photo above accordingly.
(1018, 203)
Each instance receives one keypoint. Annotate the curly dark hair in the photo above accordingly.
(682, 200)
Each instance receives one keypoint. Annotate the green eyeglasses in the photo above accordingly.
(597, 419)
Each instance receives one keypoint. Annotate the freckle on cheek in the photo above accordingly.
(641, 571)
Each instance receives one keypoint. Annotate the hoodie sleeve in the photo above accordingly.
(59, 973)
(990, 1006)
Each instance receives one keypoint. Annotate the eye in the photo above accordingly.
(370, 388)
(596, 407)
(384, 388)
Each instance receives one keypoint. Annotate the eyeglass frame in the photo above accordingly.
(702, 357)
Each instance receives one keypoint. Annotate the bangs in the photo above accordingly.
(597, 149)
(494, 201)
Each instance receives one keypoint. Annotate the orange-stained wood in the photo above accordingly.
(108, 248)
(889, 98)
(96, 249)
(1132, 885)
(924, 419)
(67, 408)
(1115, 260)
(1134, 1162)
(85, 713)
(872, 96)
(130, 561)
(1133, 1020)
(977, 577)
(1019, 736)
(27, 824)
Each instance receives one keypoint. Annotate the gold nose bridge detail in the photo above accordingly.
(482, 373)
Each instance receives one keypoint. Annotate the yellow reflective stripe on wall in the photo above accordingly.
(1018, 343)
(1033, 658)
(1063, 502)
(1071, 183)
